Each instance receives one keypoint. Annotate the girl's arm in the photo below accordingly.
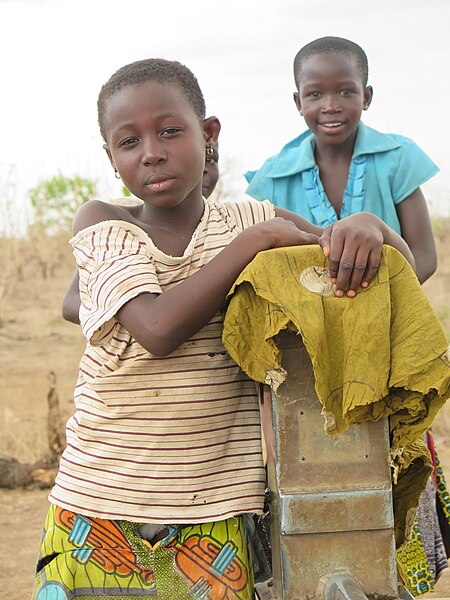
(416, 230)
(353, 246)
(72, 302)
(162, 323)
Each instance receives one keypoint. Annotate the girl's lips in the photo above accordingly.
(332, 124)
(331, 127)
(158, 184)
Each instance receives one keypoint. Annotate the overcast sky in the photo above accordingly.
(56, 54)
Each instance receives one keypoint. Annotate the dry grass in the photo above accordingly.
(35, 340)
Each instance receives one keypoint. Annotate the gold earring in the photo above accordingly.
(209, 149)
(117, 174)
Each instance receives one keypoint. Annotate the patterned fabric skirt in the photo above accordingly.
(423, 556)
(85, 557)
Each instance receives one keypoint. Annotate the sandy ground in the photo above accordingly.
(23, 514)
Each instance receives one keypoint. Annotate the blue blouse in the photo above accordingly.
(384, 170)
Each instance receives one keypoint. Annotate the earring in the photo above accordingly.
(301, 112)
(210, 149)
(365, 107)
(117, 174)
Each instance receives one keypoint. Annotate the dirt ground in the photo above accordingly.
(34, 340)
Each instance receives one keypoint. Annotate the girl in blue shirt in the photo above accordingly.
(340, 166)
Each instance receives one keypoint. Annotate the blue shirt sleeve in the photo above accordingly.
(414, 168)
(250, 175)
(260, 185)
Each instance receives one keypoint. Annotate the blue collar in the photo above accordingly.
(298, 154)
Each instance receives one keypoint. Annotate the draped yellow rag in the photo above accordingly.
(382, 353)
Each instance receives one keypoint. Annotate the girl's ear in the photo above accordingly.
(108, 152)
(211, 129)
(368, 95)
(296, 96)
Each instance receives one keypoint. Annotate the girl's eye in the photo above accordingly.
(346, 92)
(170, 131)
(128, 141)
(313, 95)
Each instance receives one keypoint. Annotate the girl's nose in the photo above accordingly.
(331, 104)
(153, 152)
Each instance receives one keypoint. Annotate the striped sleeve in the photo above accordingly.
(115, 265)
(248, 212)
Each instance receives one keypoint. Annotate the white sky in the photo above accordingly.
(56, 54)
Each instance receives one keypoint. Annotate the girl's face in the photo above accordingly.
(331, 97)
(157, 143)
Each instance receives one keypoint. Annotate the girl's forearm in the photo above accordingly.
(162, 323)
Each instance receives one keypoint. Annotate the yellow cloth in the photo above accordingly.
(382, 353)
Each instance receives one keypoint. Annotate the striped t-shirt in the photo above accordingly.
(172, 439)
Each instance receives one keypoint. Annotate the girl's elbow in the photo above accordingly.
(70, 315)
(426, 262)
(160, 349)
(153, 332)
(157, 343)
(65, 313)
(428, 270)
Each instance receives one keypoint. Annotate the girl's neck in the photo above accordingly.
(329, 152)
(171, 229)
(334, 164)
(185, 215)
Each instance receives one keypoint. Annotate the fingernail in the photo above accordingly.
(351, 293)
(339, 293)
(365, 284)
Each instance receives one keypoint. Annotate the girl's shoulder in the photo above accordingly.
(372, 141)
(405, 153)
(96, 211)
(401, 141)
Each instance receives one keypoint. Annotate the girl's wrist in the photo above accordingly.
(255, 240)
(384, 230)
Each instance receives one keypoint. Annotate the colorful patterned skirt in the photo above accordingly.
(85, 557)
(423, 556)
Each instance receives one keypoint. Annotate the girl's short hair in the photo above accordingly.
(332, 45)
(152, 69)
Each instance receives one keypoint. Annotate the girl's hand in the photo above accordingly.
(353, 246)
